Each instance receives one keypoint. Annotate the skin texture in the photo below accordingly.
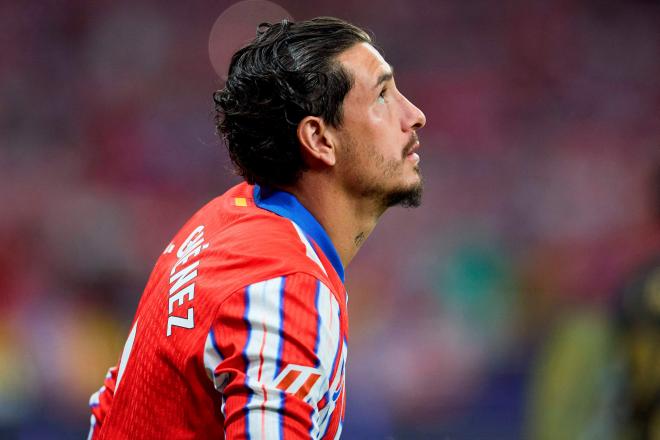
(368, 163)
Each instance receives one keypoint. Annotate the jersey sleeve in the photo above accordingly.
(100, 403)
(274, 352)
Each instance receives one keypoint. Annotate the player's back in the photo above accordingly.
(163, 387)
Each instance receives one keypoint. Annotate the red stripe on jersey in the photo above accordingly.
(232, 335)
(290, 377)
(263, 410)
(300, 319)
(343, 404)
(336, 366)
(323, 403)
(309, 383)
(261, 351)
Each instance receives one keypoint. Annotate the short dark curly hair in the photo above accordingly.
(288, 72)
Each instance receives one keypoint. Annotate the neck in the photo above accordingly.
(347, 220)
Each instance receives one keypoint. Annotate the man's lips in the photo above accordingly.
(413, 145)
(412, 149)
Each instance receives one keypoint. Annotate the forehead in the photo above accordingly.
(365, 63)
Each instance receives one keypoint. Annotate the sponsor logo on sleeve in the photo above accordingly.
(298, 380)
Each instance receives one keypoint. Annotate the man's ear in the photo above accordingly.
(316, 141)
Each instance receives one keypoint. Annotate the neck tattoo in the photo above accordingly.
(359, 239)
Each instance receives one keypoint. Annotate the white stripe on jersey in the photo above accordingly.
(92, 423)
(262, 354)
(94, 399)
(328, 350)
(212, 359)
(126, 353)
(311, 253)
(341, 425)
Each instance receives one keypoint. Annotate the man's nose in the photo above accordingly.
(415, 118)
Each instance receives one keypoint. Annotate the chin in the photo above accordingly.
(410, 197)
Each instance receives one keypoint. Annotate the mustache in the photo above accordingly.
(410, 145)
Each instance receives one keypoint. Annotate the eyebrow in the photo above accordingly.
(385, 77)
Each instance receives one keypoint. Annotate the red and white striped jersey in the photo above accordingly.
(241, 331)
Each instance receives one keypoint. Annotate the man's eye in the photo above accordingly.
(381, 96)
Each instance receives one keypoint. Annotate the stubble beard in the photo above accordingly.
(410, 197)
(405, 196)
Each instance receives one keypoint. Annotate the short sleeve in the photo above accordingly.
(276, 353)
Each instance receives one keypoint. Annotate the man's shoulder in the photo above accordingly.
(238, 223)
(243, 243)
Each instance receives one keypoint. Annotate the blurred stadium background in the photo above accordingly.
(490, 312)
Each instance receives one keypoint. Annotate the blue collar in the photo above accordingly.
(286, 205)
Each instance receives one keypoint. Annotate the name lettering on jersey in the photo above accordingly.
(182, 281)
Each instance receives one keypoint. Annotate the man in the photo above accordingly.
(242, 329)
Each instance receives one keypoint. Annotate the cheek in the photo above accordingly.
(380, 114)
